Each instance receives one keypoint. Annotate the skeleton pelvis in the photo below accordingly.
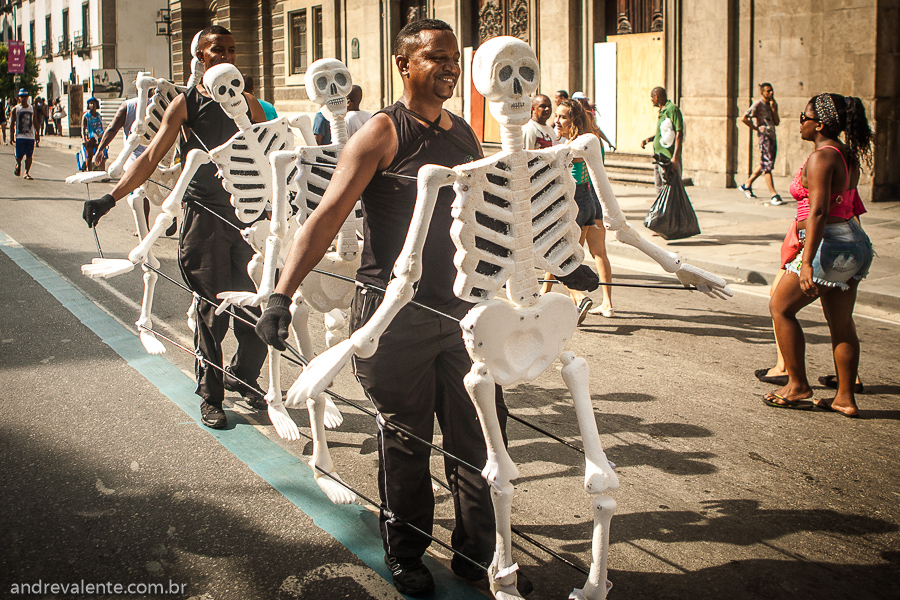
(325, 293)
(519, 343)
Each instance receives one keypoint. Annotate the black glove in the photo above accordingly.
(582, 279)
(272, 327)
(94, 209)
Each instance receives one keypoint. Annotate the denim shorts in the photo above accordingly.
(845, 253)
(589, 208)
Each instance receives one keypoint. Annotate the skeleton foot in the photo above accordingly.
(579, 594)
(281, 420)
(336, 492)
(107, 267)
(503, 583)
(151, 344)
(333, 416)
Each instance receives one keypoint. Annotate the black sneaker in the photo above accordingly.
(212, 416)
(251, 396)
(410, 575)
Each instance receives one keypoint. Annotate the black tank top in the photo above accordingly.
(209, 123)
(388, 205)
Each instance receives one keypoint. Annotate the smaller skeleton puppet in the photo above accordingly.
(243, 163)
(328, 83)
(514, 213)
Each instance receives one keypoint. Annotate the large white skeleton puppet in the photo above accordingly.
(328, 83)
(514, 212)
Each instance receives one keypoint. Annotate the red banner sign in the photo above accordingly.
(16, 58)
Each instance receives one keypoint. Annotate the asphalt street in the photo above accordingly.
(109, 477)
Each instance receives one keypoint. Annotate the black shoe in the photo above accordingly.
(410, 575)
(466, 570)
(251, 396)
(173, 228)
(212, 416)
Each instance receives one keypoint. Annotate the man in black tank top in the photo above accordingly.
(418, 369)
(212, 255)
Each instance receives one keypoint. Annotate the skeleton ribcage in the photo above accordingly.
(311, 184)
(244, 165)
(156, 108)
(515, 212)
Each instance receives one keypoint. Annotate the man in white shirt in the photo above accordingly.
(537, 133)
(355, 117)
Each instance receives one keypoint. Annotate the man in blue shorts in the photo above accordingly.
(22, 117)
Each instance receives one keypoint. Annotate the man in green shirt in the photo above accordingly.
(669, 135)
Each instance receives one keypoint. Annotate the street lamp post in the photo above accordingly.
(164, 27)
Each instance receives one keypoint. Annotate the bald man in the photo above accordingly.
(537, 133)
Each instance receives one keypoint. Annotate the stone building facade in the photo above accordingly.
(709, 54)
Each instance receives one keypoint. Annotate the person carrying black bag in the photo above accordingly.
(671, 217)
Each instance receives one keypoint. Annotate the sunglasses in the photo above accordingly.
(805, 117)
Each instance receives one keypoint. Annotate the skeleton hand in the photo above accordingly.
(94, 209)
(272, 326)
(582, 279)
(711, 285)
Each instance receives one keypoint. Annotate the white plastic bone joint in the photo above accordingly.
(506, 72)
(226, 85)
(328, 83)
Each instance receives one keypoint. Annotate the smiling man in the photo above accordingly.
(418, 370)
(212, 254)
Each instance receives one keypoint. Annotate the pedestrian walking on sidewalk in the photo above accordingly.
(834, 251)
(765, 111)
(669, 136)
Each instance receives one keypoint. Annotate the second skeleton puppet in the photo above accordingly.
(328, 83)
(243, 163)
(514, 213)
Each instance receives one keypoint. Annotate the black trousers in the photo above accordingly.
(416, 374)
(214, 258)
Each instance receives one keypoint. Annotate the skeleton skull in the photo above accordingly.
(327, 84)
(226, 85)
(506, 72)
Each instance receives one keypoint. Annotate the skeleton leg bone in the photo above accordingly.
(321, 462)
(599, 475)
(278, 414)
(597, 586)
(499, 471)
(145, 323)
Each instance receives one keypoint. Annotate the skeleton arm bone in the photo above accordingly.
(195, 159)
(321, 371)
(280, 162)
(588, 148)
(144, 85)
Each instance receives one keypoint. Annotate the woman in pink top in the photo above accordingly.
(836, 253)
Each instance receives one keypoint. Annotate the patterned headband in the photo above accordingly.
(827, 113)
